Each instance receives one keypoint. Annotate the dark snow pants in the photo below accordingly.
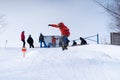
(64, 42)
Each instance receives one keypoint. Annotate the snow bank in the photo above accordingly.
(90, 62)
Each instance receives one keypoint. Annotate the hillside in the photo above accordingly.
(90, 62)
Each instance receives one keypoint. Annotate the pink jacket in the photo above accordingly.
(22, 36)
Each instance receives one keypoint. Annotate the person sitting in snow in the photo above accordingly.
(83, 41)
(74, 43)
(30, 41)
(65, 33)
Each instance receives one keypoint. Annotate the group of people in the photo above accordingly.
(30, 40)
(64, 41)
(83, 42)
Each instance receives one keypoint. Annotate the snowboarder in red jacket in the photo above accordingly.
(64, 34)
(23, 38)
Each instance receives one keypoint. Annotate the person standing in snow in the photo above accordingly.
(23, 38)
(64, 34)
(54, 41)
(30, 41)
(41, 40)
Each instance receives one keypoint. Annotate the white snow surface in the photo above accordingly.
(89, 62)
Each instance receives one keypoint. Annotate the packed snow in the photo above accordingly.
(88, 62)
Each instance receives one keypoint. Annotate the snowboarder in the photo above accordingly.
(30, 41)
(23, 38)
(41, 40)
(83, 41)
(64, 34)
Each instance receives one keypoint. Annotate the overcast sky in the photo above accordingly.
(83, 17)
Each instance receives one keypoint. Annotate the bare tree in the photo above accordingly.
(2, 22)
(113, 8)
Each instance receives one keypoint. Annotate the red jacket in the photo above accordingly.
(64, 30)
(54, 40)
(22, 36)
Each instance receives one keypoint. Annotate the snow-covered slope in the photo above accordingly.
(90, 62)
